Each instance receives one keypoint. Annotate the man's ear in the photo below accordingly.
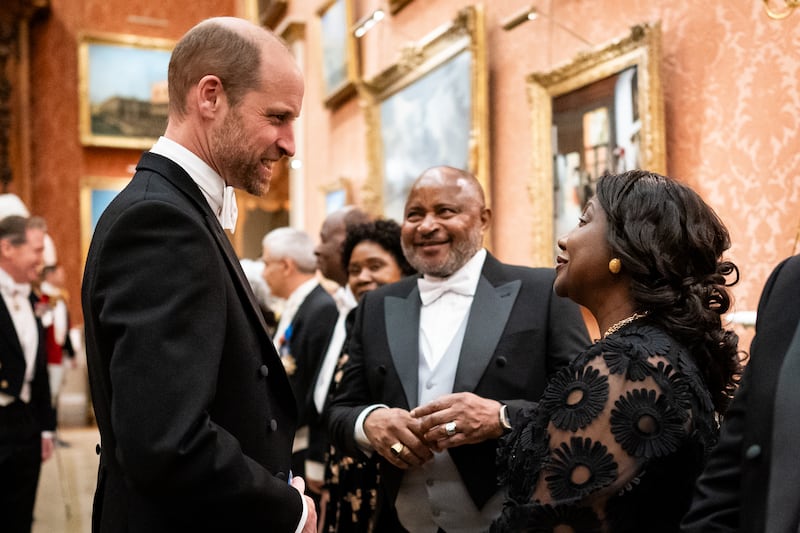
(5, 247)
(486, 218)
(210, 96)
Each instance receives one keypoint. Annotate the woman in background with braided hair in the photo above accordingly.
(620, 436)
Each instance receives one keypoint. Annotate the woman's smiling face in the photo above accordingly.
(582, 265)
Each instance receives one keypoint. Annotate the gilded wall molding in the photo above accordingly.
(466, 32)
(640, 48)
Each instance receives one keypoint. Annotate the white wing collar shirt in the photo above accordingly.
(219, 196)
(445, 304)
(15, 296)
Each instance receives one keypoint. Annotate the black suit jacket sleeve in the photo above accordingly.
(41, 400)
(352, 394)
(716, 503)
(174, 353)
(312, 326)
(566, 338)
(311, 331)
(13, 368)
(731, 493)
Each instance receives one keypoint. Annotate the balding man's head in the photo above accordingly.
(331, 238)
(467, 183)
(226, 47)
(445, 219)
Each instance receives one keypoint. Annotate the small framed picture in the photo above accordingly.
(337, 195)
(95, 195)
(339, 61)
(123, 96)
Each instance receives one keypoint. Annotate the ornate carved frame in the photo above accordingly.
(334, 96)
(84, 69)
(88, 210)
(465, 32)
(642, 48)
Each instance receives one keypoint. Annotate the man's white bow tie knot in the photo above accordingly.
(431, 289)
(229, 212)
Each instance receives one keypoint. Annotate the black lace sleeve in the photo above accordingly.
(628, 408)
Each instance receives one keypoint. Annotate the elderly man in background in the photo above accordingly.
(27, 418)
(305, 327)
(329, 262)
(446, 361)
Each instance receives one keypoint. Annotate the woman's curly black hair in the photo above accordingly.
(384, 233)
(671, 243)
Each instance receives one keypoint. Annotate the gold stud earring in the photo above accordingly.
(615, 265)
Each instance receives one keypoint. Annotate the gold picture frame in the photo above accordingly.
(123, 95)
(338, 194)
(339, 58)
(270, 12)
(95, 195)
(428, 109)
(634, 60)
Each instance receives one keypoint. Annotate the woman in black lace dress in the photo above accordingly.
(620, 436)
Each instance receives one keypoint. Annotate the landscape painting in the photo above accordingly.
(124, 94)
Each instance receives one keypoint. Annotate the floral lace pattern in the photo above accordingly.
(628, 423)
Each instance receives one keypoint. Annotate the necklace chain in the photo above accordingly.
(624, 322)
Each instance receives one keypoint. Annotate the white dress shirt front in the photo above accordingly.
(220, 198)
(15, 296)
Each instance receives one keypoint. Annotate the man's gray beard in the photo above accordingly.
(458, 257)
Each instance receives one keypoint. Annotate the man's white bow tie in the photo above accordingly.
(229, 212)
(431, 290)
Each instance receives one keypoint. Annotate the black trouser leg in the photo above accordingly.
(20, 463)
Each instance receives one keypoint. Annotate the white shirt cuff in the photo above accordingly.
(359, 434)
(304, 516)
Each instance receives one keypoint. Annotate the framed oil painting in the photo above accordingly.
(442, 79)
(339, 58)
(123, 89)
(602, 112)
(95, 195)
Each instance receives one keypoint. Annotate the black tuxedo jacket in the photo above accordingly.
(312, 328)
(195, 412)
(518, 332)
(12, 369)
(750, 480)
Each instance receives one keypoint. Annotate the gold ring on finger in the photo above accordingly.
(397, 448)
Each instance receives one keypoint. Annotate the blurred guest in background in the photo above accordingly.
(329, 262)
(53, 296)
(620, 436)
(27, 419)
(304, 330)
(270, 306)
(331, 238)
(372, 256)
(751, 480)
